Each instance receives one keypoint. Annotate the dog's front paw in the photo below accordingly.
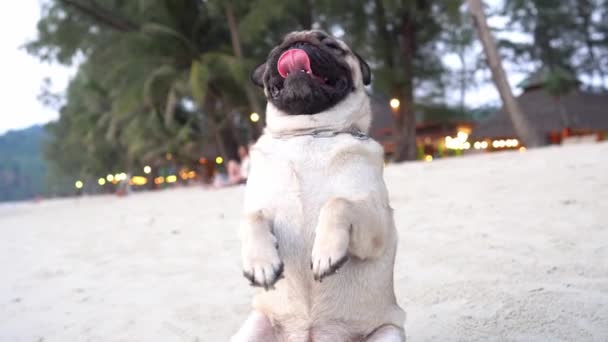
(261, 262)
(329, 252)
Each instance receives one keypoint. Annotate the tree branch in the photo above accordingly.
(103, 16)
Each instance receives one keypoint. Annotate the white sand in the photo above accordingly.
(509, 246)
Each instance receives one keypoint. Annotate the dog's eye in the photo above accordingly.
(333, 46)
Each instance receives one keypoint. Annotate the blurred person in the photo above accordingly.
(220, 180)
(124, 187)
(234, 172)
(244, 155)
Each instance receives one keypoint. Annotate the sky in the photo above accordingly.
(22, 75)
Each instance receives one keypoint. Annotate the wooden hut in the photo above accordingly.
(578, 114)
(430, 134)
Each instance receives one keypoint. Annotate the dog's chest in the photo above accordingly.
(299, 174)
(301, 168)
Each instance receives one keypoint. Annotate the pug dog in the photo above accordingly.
(318, 235)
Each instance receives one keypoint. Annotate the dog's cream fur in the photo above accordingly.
(320, 199)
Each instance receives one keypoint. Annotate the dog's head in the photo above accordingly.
(310, 73)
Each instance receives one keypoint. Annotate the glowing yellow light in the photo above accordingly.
(254, 117)
(515, 142)
(101, 181)
(463, 136)
(110, 178)
(484, 144)
(459, 142)
(522, 149)
(79, 184)
(191, 174)
(120, 176)
(159, 180)
(477, 145)
(464, 129)
(171, 179)
(495, 143)
(139, 180)
(219, 160)
(395, 103)
(147, 169)
(428, 158)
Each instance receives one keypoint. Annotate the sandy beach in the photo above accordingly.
(508, 247)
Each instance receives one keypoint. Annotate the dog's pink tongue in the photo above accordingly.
(294, 60)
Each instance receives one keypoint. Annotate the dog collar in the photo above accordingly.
(323, 133)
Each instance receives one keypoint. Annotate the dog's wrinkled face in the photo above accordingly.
(310, 72)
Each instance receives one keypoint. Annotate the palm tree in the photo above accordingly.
(521, 124)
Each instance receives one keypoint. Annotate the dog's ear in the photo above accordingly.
(257, 76)
(366, 72)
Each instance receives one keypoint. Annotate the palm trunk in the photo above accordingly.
(171, 105)
(405, 123)
(208, 106)
(385, 41)
(219, 141)
(307, 18)
(463, 79)
(520, 122)
(238, 52)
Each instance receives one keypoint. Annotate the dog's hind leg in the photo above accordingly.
(387, 333)
(257, 328)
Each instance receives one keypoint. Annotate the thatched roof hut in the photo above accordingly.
(578, 110)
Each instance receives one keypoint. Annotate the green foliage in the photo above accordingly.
(258, 14)
(375, 29)
(570, 38)
(559, 81)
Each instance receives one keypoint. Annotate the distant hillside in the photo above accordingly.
(22, 167)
